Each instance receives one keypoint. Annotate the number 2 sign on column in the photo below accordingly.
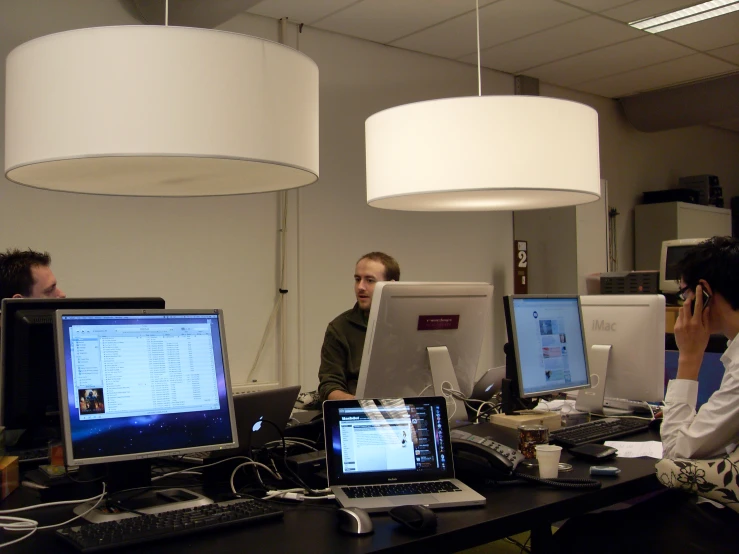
(520, 268)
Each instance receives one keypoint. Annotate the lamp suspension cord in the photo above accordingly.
(166, 13)
(477, 18)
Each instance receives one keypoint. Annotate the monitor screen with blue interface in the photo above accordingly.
(143, 384)
(549, 343)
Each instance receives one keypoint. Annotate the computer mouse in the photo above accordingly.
(414, 517)
(355, 521)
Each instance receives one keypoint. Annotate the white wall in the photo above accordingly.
(222, 252)
(633, 162)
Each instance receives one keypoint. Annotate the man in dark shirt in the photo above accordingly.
(27, 274)
(341, 353)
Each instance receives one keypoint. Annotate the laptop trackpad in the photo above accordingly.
(413, 499)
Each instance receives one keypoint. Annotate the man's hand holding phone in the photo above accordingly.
(706, 299)
(692, 333)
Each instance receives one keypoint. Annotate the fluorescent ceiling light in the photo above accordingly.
(686, 16)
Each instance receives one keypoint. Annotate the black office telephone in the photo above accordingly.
(483, 456)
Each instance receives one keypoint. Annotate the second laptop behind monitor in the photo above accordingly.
(255, 412)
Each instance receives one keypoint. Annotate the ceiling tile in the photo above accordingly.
(708, 34)
(647, 8)
(386, 20)
(617, 58)
(579, 36)
(673, 72)
(499, 22)
(300, 11)
(596, 5)
(728, 53)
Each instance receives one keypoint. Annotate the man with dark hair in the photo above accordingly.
(709, 284)
(674, 521)
(27, 274)
(341, 353)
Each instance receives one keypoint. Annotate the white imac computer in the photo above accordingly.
(546, 347)
(140, 384)
(672, 252)
(625, 335)
(424, 339)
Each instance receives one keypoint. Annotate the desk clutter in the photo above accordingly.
(255, 489)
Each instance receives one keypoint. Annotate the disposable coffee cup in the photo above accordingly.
(548, 457)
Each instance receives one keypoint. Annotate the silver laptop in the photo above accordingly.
(255, 414)
(392, 452)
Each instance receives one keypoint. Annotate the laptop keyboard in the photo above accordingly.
(374, 491)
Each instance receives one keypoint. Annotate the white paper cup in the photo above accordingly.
(548, 457)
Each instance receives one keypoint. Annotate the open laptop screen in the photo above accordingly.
(387, 441)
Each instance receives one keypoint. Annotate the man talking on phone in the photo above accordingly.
(674, 521)
(709, 284)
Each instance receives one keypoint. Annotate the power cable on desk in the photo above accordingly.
(10, 523)
(290, 504)
(563, 483)
(292, 442)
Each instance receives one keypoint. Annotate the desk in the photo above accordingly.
(510, 509)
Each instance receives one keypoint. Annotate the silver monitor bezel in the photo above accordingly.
(70, 460)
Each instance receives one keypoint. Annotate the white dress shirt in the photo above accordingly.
(714, 430)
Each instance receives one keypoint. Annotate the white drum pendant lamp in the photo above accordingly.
(483, 153)
(160, 111)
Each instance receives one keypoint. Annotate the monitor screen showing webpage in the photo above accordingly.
(547, 335)
(139, 384)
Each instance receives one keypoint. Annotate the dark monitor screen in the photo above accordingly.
(674, 255)
(28, 377)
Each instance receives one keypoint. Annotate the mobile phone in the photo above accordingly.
(604, 470)
(706, 298)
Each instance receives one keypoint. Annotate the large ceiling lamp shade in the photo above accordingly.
(483, 153)
(160, 111)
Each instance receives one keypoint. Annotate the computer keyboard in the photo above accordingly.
(597, 431)
(95, 537)
(31, 454)
(373, 491)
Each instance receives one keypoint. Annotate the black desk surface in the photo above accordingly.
(510, 509)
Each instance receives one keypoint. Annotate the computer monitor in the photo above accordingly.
(546, 347)
(139, 384)
(632, 328)
(29, 405)
(672, 252)
(424, 339)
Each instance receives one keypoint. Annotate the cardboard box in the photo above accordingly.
(551, 419)
(8, 475)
